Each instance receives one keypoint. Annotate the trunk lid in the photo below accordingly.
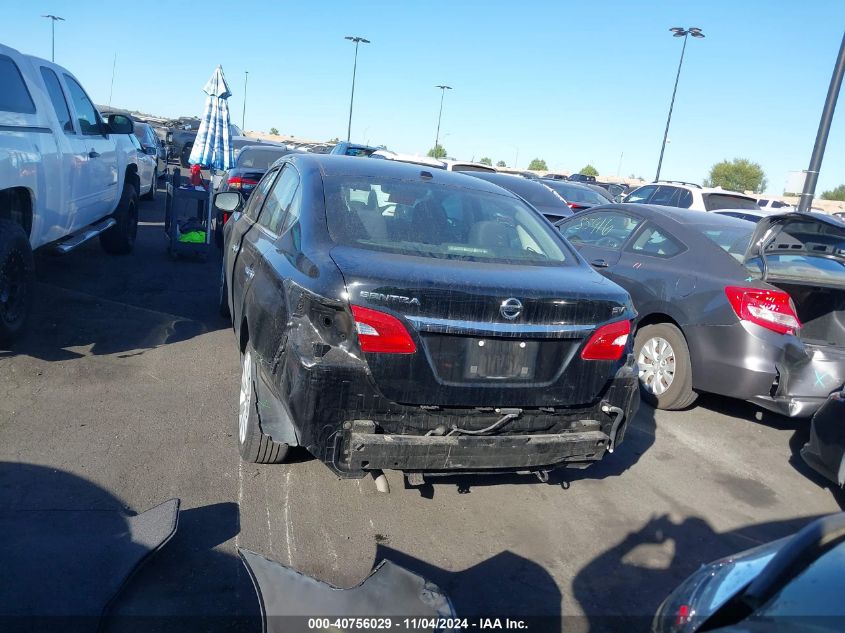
(486, 334)
(799, 247)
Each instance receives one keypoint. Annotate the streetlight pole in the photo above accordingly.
(684, 33)
(53, 19)
(443, 90)
(243, 115)
(357, 40)
(824, 128)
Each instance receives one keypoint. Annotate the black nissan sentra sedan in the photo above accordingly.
(751, 311)
(395, 317)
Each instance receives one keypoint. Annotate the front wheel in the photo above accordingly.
(17, 280)
(120, 239)
(253, 445)
(664, 366)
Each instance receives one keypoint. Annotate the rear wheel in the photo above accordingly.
(151, 194)
(253, 445)
(17, 280)
(120, 239)
(664, 366)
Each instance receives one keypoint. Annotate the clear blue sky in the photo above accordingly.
(568, 81)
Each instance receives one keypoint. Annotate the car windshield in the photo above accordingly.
(440, 221)
(259, 158)
(576, 193)
(714, 201)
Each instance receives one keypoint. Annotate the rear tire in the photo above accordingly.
(120, 239)
(151, 194)
(664, 365)
(17, 280)
(253, 445)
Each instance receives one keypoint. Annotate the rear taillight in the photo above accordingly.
(236, 182)
(226, 217)
(608, 342)
(381, 333)
(771, 309)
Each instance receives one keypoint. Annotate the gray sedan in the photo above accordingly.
(755, 312)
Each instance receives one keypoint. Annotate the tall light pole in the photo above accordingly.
(357, 40)
(824, 129)
(53, 19)
(243, 115)
(443, 90)
(684, 33)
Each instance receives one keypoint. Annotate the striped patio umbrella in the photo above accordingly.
(213, 146)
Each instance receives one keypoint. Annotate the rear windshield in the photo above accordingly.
(732, 239)
(14, 97)
(714, 201)
(358, 151)
(575, 193)
(430, 220)
(803, 267)
(259, 158)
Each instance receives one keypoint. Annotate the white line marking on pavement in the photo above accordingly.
(240, 499)
(267, 511)
(288, 535)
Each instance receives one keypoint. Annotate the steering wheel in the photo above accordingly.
(609, 242)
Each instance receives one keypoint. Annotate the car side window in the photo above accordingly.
(641, 195)
(253, 206)
(275, 209)
(15, 96)
(86, 113)
(57, 98)
(605, 229)
(685, 199)
(652, 241)
(665, 196)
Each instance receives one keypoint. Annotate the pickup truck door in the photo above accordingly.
(94, 188)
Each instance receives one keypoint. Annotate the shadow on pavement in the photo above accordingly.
(639, 437)
(114, 304)
(504, 585)
(620, 589)
(67, 547)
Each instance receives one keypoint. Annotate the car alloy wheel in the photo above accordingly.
(657, 365)
(245, 396)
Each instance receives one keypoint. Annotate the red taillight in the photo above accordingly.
(236, 182)
(770, 309)
(684, 615)
(382, 333)
(226, 217)
(608, 342)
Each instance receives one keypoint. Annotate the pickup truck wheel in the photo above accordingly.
(17, 280)
(120, 239)
(186, 155)
(664, 366)
(253, 445)
(151, 194)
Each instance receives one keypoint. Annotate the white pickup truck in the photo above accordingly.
(66, 176)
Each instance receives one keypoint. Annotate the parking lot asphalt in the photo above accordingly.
(128, 380)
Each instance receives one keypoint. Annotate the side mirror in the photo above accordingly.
(120, 124)
(228, 201)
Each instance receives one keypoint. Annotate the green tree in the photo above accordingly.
(740, 174)
(501, 163)
(835, 194)
(589, 170)
(438, 151)
(538, 164)
(486, 161)
(274, 131)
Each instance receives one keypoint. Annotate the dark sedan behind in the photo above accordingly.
(755, 312)
(392, 316)
(539, 196)
(578, 196)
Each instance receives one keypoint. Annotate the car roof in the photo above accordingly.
(694, 187)
(337, 165)
(674, 215)
(566, 183)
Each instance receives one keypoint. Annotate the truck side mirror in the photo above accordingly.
(120, 124)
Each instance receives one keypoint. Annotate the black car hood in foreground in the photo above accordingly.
(798, 233)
